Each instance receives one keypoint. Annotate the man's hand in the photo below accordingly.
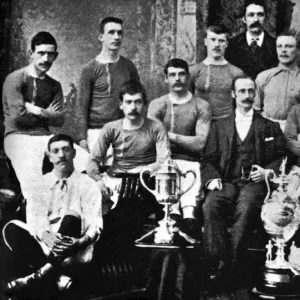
(215, 184)
(33, 109)
(54, 107)
(106, 191)
(259, 174)
(84, 145)
(56, 243)
(172, 137)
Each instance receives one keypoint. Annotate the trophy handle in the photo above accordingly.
(191, 185)
(143, 182)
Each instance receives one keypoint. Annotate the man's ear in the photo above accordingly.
(166, 78)
(205, 41)
(100, 37)
(244, 20)
(30, 52)
(56, 54)
(232, 94)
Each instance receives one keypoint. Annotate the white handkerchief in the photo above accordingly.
(269, 139)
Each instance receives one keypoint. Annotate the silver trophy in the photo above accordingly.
(167, 192)
(281, 219)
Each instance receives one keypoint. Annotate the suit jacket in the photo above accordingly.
(269, 147)
(239, 54)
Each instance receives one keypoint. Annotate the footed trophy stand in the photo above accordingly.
(167, 192)
(278, 280)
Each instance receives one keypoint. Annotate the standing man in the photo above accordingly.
(62, 223)
(137, 142)
(278, 89)
(32, 101)
(187, 119)
(240, 153)
(211, 79)
(253, 51)
(100, 83)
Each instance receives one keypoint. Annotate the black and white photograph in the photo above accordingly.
(150, 150)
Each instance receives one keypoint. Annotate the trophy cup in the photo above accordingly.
(280, 216)
(167, 192)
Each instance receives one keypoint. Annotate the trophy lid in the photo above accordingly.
(169, 166)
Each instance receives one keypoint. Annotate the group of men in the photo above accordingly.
(214, 120)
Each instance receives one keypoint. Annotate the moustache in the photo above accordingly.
(133, 113)
(217, 49)
(255, 24)
(45, 65)
(248, 100)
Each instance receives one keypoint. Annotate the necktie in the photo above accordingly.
(254, 46)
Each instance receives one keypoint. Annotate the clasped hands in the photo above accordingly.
(60, 245)
(257, 174)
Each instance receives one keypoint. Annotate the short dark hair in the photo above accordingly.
(236, 78)
(291, 32)
(43, 37)
(109, 20)
(256, 2)
(217, 29)
(60, 137)
(176, 63)
(133, 87)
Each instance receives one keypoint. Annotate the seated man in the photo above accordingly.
(239, 154)
(187, 119)
(137, 142)
(33, 101)
(63, 221)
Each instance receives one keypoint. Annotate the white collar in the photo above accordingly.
(248, 115)
(31, 72)
(259, 39)
(53, 179)
(182, 100)
(106, 60)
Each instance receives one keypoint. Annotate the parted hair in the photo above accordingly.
(133, 87)
(109, 20)
(60, 137)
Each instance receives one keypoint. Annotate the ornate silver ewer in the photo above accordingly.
(281, 218)
(167, 192)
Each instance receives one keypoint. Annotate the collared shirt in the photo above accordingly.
(243, 123)
(278, 89)
(259, 39)
(183, 100)
(79, 194)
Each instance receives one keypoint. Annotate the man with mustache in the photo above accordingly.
(138, 143)
(100, 82)
(253, 51)
(240, 152)
(187, 119)
(211, 79)
(62, 223)
(33, 101)
(278, 89)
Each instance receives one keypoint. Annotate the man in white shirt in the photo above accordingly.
(240, 151)
(64, 220)
(253, 51)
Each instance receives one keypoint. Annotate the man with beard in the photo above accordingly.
(253, 51)
(240, 153)
(100, 82)
(187, 135)
(278, 89)
(211, 79)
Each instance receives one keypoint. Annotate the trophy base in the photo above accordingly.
(277, 284)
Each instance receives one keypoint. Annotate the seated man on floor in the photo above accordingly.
(137, 142)
(32, 102)
(64, 221)
(241, 151)
(187, 119)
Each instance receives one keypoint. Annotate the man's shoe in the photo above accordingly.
(21, 283)
(64, 283)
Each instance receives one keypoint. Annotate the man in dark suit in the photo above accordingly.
(253, 51)
(241, 151)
